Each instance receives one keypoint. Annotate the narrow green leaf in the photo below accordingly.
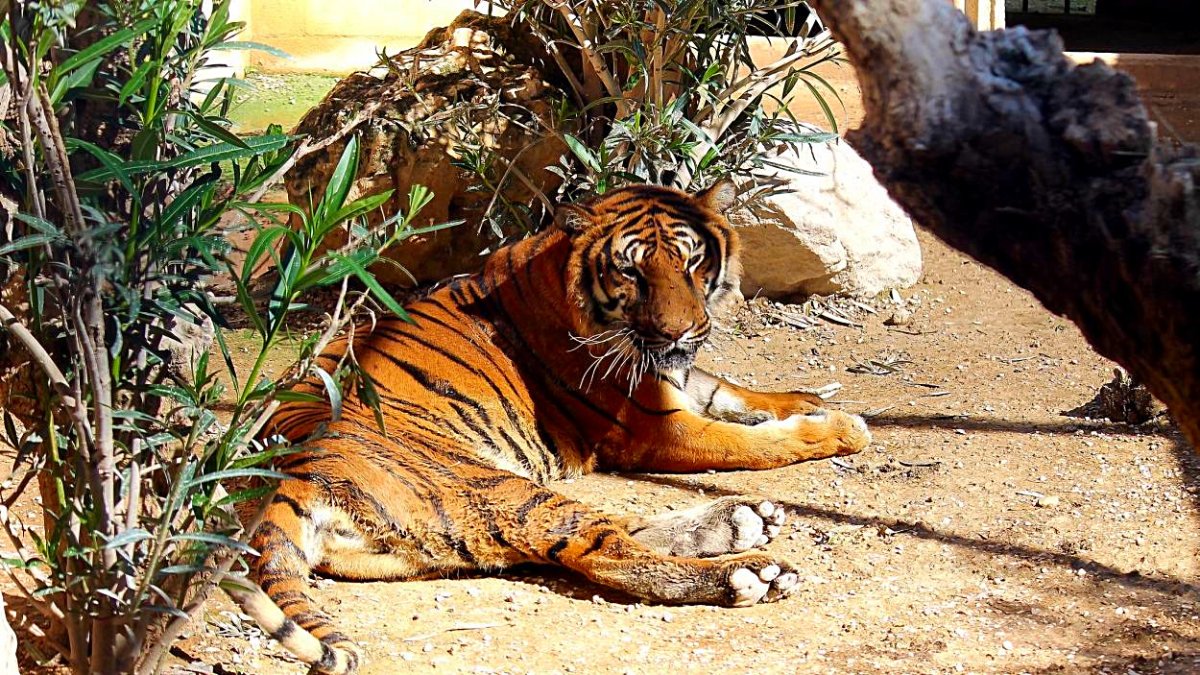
(135, 81)
(99, 48)
(184, 202)
(263, 243)
(227, 355)
(226, 474)
(432, 228)
(128, 537)
(112, 162)
(186, 569)
(27, 242)
(164, 609)
(43, 226)
(251, 494)
(362, 206)
(373, 285)
(219, 86)
(248, 45)
(78, 78)
(814, 137)
(339, 183)
(145, 143)
(217, 152)
(334, 392)
(581, 151)
(10, 429)
(212, 540)
(291, 396)
(213, 129)
(829, 117)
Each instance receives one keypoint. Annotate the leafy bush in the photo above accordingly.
(666, 91)
(127, 186)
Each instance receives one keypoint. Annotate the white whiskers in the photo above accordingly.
(622, 355)
(599, 338)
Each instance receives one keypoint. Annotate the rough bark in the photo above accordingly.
(1047, 172)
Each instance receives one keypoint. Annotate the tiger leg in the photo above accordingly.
(687, 441)
(727, 525)
(276, 596)
(550, 528)
(718, 399)
(363, 566)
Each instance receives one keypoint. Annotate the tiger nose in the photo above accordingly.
(676, 333)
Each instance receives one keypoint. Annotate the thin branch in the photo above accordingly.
(567, 72)
(39, 354)
(57, 163)
(588, 47)
(767, 73)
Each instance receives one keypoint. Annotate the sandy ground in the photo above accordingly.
(927, 553)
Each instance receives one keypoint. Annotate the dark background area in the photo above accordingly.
(1137, 26)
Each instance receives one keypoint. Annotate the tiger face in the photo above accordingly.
(648, 263)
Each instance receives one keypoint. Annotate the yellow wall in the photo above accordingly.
(339, 36)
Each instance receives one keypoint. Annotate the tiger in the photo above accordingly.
(570, 351)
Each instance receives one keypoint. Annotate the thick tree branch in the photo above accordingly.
(1045, 171)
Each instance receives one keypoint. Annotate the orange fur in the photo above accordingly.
(571, 351)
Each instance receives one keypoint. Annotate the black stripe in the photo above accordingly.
(328, 659)
(482, 350)
(300, 511)
(274, 537)
(539, 497)
(284, 603)
(310, 620)
(514, 419)
(598, 542)
(285, 630)
(431, 495)
(493, 482)
(553, 551)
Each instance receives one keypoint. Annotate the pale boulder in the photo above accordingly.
(834, 233)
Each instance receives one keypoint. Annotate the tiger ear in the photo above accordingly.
(573, 218)
(719, 196)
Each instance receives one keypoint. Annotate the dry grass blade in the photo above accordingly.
(919, 463)
(886, 363)
(878, 411)
(793, 319)
(459, 627)
(834, 316)
(877, 367)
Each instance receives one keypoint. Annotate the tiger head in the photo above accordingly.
(647, 264)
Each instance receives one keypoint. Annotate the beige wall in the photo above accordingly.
(339, 36)
(985, 14)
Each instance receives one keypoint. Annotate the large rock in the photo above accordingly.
(834, 233)
(472, 87)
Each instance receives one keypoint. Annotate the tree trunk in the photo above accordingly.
(1047, 172)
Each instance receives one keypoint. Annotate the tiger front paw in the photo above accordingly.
(855, 436)
(829, 433)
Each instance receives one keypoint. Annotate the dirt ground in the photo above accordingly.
(983, 531)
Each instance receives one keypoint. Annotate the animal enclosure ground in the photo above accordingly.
(927, 553)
